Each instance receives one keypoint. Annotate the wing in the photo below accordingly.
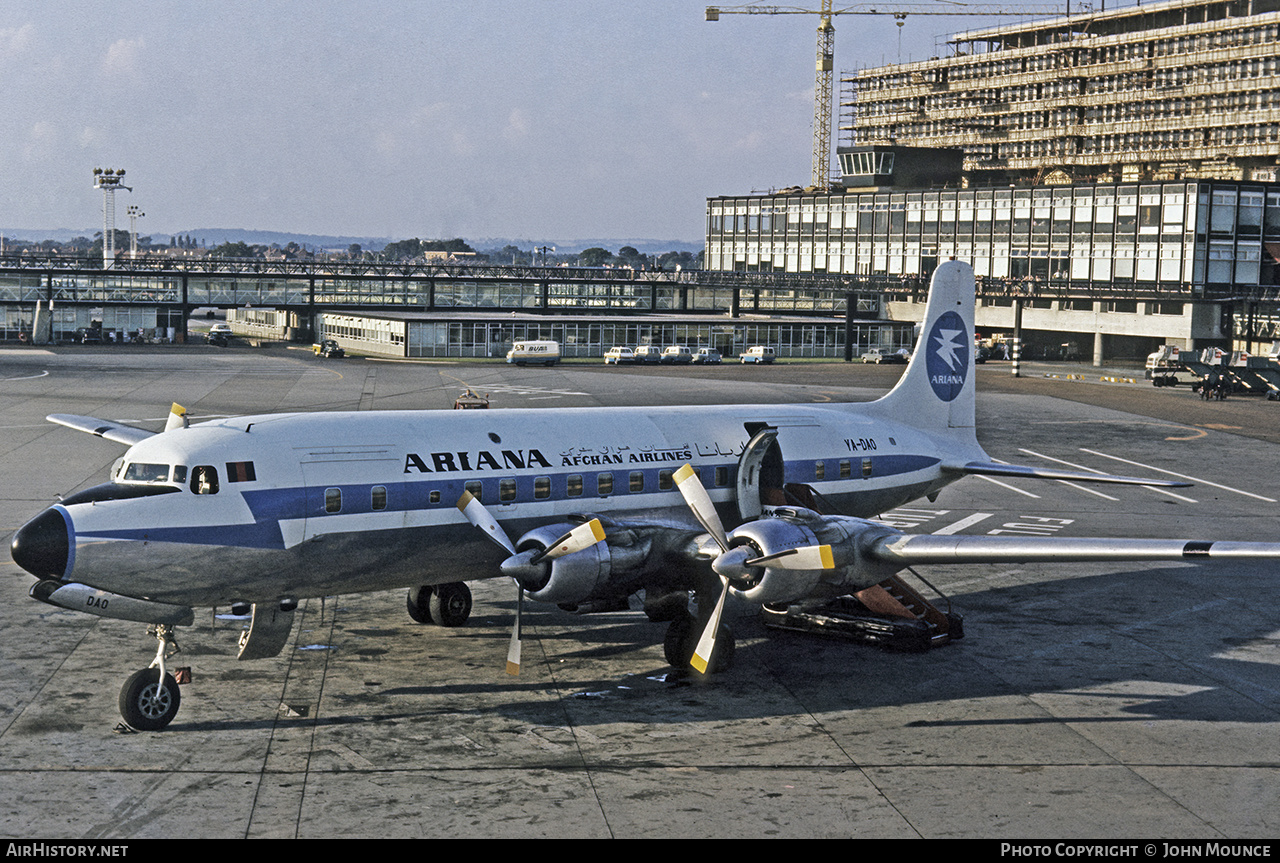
(908, 550)
(112, 431)
(118, 432)
(987, 468)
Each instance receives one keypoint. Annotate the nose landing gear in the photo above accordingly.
(150, 697)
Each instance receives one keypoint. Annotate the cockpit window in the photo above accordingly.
(204, 479)
(143, 472)
(240, 471)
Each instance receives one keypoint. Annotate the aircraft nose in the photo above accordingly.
(42, 546)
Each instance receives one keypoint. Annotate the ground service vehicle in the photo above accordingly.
(546, 353)
(757, 354)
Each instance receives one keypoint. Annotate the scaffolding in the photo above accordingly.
(1184, 89)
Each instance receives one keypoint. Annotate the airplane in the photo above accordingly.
(259, 512)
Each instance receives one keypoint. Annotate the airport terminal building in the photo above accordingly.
(1111, 175)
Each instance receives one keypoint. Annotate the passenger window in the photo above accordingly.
(506, 490)
(333, 500)
(866, 467)
(604, 484)
(541, 487)
(665, 482)
(435, 496)
(574, 485)
(722, 476)
(378, 497)
(204, 479)
(846, 470)
(636, 481)
(475, 487)
(819, 469)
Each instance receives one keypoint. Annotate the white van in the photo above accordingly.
(678, 354)
(757, 354)
(546, 353)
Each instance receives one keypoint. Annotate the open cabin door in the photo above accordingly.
(760, 472)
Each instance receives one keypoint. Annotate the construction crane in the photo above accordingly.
(827, 48)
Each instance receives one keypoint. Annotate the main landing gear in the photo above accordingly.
(442, 604)
(149, 699)
(684, 630)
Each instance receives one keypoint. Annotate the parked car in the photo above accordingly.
(677, 355)
(707, 356)
(879, 355)
(757, 354)
(222, 328)
(617, 355)
(329, 348)
(218, 340)
(648, 354)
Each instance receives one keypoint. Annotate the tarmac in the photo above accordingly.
(1086, 702)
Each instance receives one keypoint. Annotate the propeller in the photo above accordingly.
(734, 562)
(705, 512)
(525, 563)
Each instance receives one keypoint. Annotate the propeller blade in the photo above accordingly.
(805, 557)
(177, 418)
(513, 651)
(700, 502)
(480, 517)
(582, 536)
(706, 644)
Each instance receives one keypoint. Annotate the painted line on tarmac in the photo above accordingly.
(967, 521)
(1196, 480)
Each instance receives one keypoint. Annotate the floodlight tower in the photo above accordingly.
(135, 213)
(108, 180)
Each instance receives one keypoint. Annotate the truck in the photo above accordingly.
(543, 352)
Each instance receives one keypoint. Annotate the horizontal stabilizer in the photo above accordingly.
(987, 468)
(909, 550)
(113, 431)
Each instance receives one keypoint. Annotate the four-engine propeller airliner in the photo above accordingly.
(259, 512)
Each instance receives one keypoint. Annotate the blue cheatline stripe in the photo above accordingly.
(271, 506)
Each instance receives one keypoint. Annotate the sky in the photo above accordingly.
(542, 119)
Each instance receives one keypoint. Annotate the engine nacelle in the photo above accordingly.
(567, 579)
(794, 527)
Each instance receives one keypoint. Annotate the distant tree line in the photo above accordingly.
(401, 250)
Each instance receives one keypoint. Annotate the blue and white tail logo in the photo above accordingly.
(947, 349)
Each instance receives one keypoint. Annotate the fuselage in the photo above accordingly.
(257, 508)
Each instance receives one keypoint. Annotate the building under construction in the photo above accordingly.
(1112, 175)
(1184, 89)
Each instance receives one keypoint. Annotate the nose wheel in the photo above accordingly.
(148, 703)
(150, 697)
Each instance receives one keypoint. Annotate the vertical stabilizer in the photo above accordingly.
(936, 392)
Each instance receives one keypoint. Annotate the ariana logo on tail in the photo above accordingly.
(947, 356)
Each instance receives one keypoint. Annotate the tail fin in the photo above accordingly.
(936, 393)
